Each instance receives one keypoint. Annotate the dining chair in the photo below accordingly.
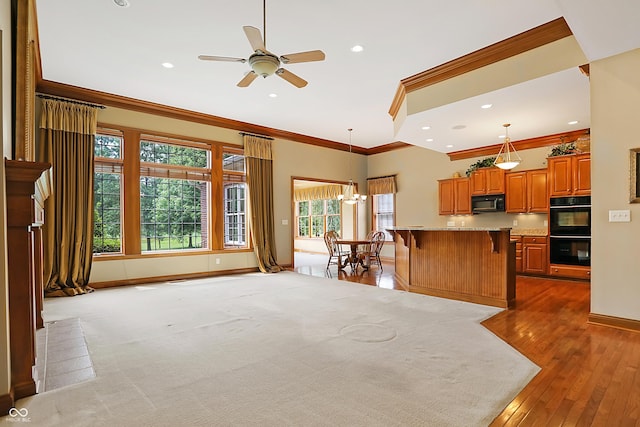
(336, 254)
(372, 250)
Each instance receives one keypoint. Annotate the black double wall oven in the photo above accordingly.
(570, 230)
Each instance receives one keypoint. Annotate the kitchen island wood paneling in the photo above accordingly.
(468, 264)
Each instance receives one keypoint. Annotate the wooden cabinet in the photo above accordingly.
(526, 192)
(487, 181)
(519, 265)
(570, 271)
(454, 196)
(569, 175)
(534, 255)
(531, 254)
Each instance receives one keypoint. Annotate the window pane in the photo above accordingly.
(303, 226)
(333, 223)
(333, 207)
(317, 226)
(172, 214)
(235, 232)
(303, 208)
(107, 231)
(317, 207)
(107, 146)
(156, 152)
(383, 209)
(233, 162)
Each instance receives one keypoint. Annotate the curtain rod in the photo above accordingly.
(72, 101)
(257, 136)
(387, 176)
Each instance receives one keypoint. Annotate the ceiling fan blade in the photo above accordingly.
(247, 79)
(255, 38)
(221, 58)
(291, 78)
(310, 56)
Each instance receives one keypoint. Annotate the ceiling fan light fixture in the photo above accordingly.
(264, 64)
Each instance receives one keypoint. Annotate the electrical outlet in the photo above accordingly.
(515, 222)
(620, 216)
(451, 223)
(461, 223)
(285, 222)
(546, 223)
(218, 261)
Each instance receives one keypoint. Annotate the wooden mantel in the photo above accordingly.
(468, 264)
(24, 216)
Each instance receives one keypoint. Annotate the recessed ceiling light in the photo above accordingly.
(430, 140)
(573, 122)
(426, 127)
(167, 65)
(485, 106)
(449, 146)
(122, 3)
(273, 95)
(357, 48)
(458, 127)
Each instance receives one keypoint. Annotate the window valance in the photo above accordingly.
(381, 185)
(259, 148)
(320, 192)
(69, 117)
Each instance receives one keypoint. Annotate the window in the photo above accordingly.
(174, 188)
(234, 189)
(315, 217)
(107, 193)
(383, 213)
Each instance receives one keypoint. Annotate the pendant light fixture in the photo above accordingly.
(507, 157)
(350, 196)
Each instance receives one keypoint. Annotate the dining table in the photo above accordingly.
(353, 259)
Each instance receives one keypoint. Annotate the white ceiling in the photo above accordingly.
(98, 45)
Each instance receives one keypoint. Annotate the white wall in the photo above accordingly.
(615, 113)
(5, 133)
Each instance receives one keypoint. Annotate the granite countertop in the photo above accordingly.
(529, 232)
(420, 228)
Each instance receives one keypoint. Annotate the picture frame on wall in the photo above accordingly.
(634, 175)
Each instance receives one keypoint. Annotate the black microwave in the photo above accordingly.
(488, 203)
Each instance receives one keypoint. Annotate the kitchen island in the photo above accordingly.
(468, 264)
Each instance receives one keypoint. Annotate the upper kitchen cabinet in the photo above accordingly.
(526, 192)
(569, 175)
(454, 197)
(487, 181)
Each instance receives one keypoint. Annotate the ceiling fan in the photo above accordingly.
(265, 63)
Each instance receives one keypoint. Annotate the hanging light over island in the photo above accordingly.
(507, 157)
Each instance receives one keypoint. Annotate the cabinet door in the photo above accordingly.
(560, 176)
(535, 255)
(478, 182)
(582, 174)
(516, 192)
(518, 240)
(494, 180)
(538, 197)
(462, 196)
(446, 199)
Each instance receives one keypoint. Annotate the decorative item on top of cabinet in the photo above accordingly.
(454, 197)
(487, 181)
(526, 191)
(569, 175)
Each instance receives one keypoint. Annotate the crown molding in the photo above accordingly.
(88, 95)
(524, 144)
(520, 43)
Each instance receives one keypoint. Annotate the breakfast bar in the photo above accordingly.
(468, 264)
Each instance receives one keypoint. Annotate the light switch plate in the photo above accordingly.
(620, 216)
(451, 223)
(285, 222)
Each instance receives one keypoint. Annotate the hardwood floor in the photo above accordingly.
(590, 374)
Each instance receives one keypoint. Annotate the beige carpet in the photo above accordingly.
(281, 350)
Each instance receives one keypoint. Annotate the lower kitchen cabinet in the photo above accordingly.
(570, 271)
(531, 254)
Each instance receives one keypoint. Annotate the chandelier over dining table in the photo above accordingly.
(350, 195)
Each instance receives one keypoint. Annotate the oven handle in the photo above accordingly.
(569, 206)
(570, 237)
